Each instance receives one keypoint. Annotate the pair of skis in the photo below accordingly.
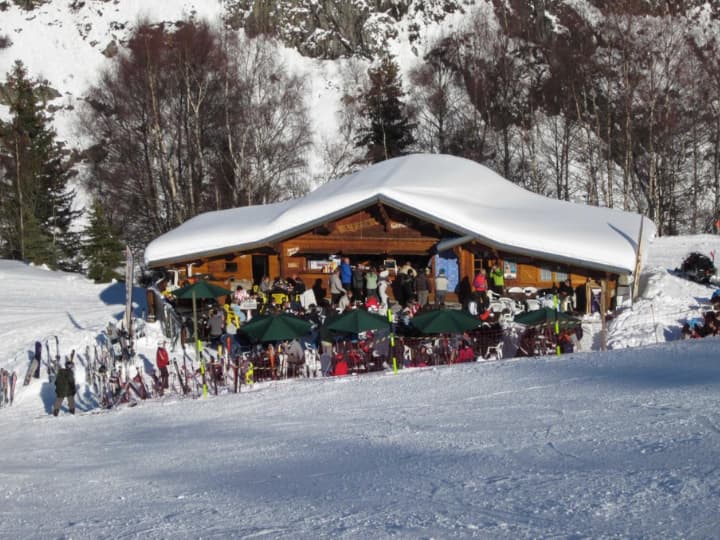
(7, 387)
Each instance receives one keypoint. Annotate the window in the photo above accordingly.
(546, 274)
(231, 267)
(561, 276)
(510, 269)
(477, 264)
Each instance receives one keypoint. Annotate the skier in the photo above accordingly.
(162, 360)
(65, 388)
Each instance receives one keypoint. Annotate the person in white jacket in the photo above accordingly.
(382, 290)
(441, 287)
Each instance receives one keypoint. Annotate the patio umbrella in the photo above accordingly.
(358, 320)
(199, 289)
(444, 321)
(276, 327)
(546, 317)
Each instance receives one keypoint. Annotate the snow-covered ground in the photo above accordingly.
(618, 444)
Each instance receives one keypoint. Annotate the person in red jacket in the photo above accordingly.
(480, 283)
(162, 361)
(480, 288)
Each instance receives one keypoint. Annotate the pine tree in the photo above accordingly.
(389, 130)
(34, 176)
(102, 249)
(38, 245)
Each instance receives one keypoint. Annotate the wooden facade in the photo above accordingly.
(377, 234)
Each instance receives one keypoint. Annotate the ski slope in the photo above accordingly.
(623, 443)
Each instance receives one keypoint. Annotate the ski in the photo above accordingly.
(13, 382)
(34, 367)
(48, 358)
(54, 365)
(4, 382)
(139, 384)
(183, 382)
(157, 383)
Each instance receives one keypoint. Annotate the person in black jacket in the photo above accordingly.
(65, 388)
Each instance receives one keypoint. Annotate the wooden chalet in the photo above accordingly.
(388, 223)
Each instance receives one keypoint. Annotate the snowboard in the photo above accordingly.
(34, 367)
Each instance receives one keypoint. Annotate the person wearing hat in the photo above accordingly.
(162, 360)
(65, 388)
(441, 287)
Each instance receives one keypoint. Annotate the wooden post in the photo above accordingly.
(603, 307)
(638, 258)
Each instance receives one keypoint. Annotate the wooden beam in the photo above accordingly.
(385, 217)
(378, 245)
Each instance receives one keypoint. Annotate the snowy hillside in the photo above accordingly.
(64, 43)
(616, 444)
(68, 44)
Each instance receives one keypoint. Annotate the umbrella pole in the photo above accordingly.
(198, 345)
(557, 325)
(392, 339)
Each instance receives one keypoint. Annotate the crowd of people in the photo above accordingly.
(405, 292)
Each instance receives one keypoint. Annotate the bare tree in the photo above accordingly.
(267, 132)
(192, 120)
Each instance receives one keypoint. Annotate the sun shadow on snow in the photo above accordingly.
(114, 294)
(148, 366)
(47, 395)
(74, 322)
(631, 241)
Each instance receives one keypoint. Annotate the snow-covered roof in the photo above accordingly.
(458, 194)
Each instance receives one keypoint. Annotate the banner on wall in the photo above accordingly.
(448, 261)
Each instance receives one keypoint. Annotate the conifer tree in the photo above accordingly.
(36, 207)
(389, 131)
(102, 249)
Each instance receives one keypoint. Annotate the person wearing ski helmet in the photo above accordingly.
(65, 388)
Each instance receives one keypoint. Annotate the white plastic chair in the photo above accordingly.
(495, 350)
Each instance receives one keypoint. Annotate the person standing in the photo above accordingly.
(566, 293)
(371, 282)
(65, 388)
(216, 324)
(480, 284)
(406, 283)
(358, 283)
(346, 273)
(382, 291)
(441, 287)
(162, 361)
(422, 287)
(480, 288)
(497, 276)
(336, 287)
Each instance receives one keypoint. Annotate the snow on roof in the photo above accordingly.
(460, 195)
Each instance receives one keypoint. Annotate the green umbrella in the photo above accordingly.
(546, 317)
(201, 289)
(358, 320)
(444, 321)
(276, 327)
